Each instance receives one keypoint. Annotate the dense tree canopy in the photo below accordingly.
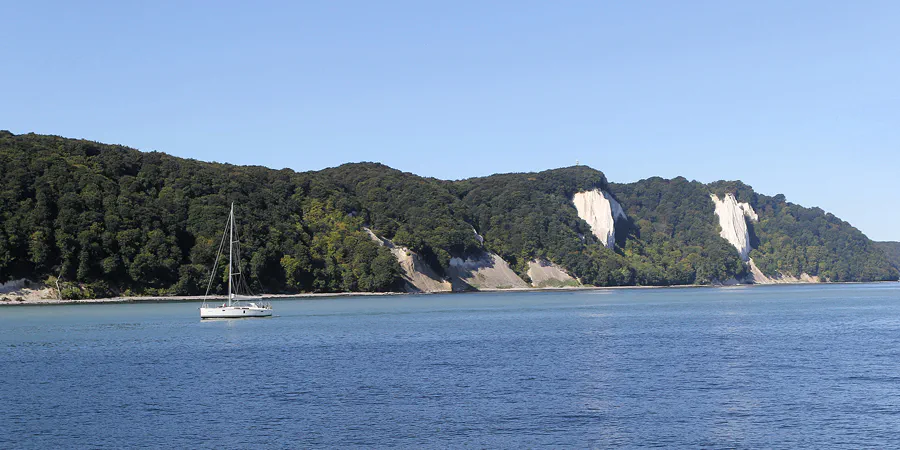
(419, 213)
(530, 215)
(790, 239)
(109, 219)
(674, 235)
(117, 219)
(892, 251)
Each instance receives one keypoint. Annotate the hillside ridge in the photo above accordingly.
(111, 220)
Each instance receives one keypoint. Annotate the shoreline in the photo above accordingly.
(190, 299)
(180, 299)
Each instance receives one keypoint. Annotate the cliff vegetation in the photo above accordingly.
(107, 220)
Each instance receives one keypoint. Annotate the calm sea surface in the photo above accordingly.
(761, 367)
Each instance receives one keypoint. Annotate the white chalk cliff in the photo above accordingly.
(544, 273)
(757, 277)
(12, 285)
(600, 211)
(478, 236)
(485, 271)
(733, 218)
(417, 274)
(23, 290)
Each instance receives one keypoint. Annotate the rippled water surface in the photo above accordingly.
(763, 367)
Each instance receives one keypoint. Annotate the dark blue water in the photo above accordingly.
(762, 367)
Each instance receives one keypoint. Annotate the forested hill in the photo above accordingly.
(892, 250)
(112, 220)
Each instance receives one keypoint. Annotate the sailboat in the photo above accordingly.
(236, 305)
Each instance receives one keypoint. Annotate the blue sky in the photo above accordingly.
(800, 98)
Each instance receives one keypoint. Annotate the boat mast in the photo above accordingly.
(230, 245)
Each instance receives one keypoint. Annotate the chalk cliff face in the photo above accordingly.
(12, 285)
(22, 290)
(314, 218)
(418, 276)
(478, 236)
(733, 219)
(544, 273)
(757, 277)
(600, 211)
(485, 271)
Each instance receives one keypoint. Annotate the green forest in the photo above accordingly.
(892, 251)
(674, 233)
(792, 239)
(110, 220)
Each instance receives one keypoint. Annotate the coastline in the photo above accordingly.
(179, 299)
(323, 295)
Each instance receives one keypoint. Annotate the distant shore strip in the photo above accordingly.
(189, 299)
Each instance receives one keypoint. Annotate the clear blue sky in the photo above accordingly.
(793, 97)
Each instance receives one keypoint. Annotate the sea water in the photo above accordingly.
(764, 367)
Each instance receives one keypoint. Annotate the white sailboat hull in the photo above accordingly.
(234, 312)
(236, 306)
